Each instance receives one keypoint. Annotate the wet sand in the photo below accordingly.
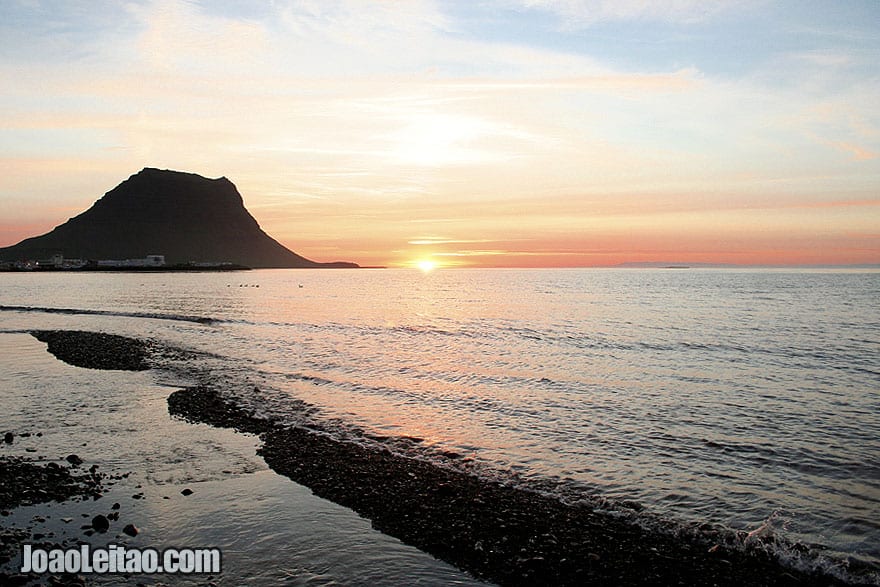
(507, 534)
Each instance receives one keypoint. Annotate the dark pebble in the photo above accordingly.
(131, 530)
(74, 460)
(26, 482)
(186, 491)
(101, 523)
(66, 581)
(8, 437)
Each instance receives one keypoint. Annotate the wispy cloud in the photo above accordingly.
(581, 13)
(447, 241)
(858, 153)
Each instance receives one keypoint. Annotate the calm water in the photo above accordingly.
(733, 397)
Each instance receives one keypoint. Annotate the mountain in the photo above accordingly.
(183, 216)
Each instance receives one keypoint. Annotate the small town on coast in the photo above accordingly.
(58, 262)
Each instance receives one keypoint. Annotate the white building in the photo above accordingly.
(148, 261)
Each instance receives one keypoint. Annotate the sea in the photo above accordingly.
(746, 400)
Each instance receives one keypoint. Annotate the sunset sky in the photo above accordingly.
(475, 133)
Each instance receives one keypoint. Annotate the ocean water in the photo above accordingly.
(748, 399)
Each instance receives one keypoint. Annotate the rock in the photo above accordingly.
(8, 437)
(66, 581)
(100, 523)
(131, 530)
(25, 482)
(95, 350)
(74, 460)
(186, 491)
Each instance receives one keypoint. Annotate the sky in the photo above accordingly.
(483, 133)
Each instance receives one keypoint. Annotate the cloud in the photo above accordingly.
(178, 36)
(584, 13)
(447, 241)
(680, 80)
(858, 153)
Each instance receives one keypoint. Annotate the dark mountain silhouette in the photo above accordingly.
(184, 216)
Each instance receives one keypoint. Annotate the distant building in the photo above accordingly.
(74, 264)
(56, 261)
(148, 261)
(53, 262)
(208, 264)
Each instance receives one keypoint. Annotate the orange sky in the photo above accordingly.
(486, 134)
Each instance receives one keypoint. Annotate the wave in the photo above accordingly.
(253, 385)
(768, 540)
(88, 312)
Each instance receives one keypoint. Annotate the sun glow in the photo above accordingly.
(434, 139)
(426, 265)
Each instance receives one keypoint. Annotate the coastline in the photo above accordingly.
(179, 484)
(510, 535)
(505, 534)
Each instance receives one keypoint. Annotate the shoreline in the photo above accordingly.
(494, 531)
(269, 530)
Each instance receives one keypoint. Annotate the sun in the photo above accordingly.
(426, 265)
